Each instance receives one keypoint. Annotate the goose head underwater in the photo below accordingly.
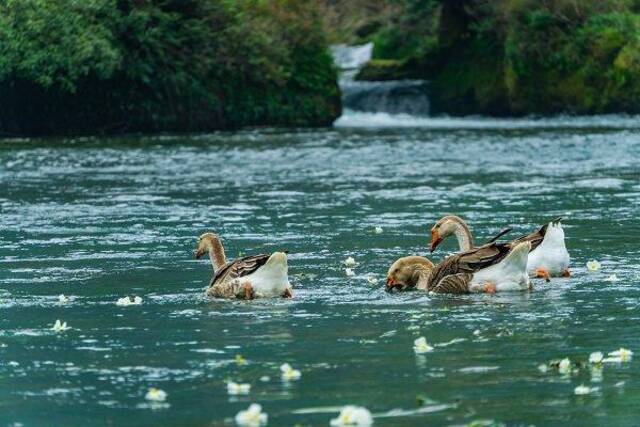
(406, 272)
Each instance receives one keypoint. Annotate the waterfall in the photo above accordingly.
(389, 99)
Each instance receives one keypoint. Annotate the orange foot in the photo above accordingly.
(543, 274)
(288, 293)
(566, 273)
(490, 288)
(248, 290)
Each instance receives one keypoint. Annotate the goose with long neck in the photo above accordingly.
(210, 243)
(548, 256)
(255, 276)
(494, 267)
(451, 225)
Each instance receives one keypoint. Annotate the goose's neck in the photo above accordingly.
(463, 234)
(216, 254)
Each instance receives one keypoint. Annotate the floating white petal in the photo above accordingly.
(353, 416)
(596, 357)
(350, 262)
(612, 278)
(623, 354)
(349, 272)
(564, 367)
(378, 230)
(593, 265)
(126, 301)
(372, 279)
(420, 346)
(252, 417)
(236, 388)
(156, 395)
(60, 326)
(62, 299)
(288, 373)
(583, 389)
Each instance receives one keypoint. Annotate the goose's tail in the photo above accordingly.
(516, 260)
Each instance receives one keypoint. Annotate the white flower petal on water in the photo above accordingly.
(126, 301)
(623, 354)
(234, 388)
(372, 279)
(596, 357)
(353, 416)
(612, 278)
(156, 395)
(593, 265)
(60, 326)
(564, 367)
(543, 368)
(378, 230)
(265, 378)
(62, 299)
(612, 360)
(350, 262)
(288, 373)
(252, 417)
(583, 389)
(349, 272)
(420, 346)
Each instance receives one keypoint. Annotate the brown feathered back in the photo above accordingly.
(469, 262)
(239, 268)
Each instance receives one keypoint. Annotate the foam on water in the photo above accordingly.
(360, 119)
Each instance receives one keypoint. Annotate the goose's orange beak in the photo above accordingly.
(435, 240)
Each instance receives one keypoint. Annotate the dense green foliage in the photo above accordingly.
(516, 56)
(69, 66)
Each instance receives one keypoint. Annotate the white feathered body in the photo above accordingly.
(551, 255)
(510, 274)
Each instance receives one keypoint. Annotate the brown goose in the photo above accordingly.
(548, 257)
(255, 276)
(491, 268)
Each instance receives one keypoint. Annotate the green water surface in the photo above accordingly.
(99, 219)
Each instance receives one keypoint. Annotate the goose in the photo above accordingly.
(406, 272)
(255, 276)
(493, 267)
(548, 257)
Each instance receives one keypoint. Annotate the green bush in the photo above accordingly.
(86, 66)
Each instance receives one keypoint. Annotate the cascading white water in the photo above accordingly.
(400, 98)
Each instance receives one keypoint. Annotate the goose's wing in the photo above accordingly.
(467, 263)
(481, 257)
(239, 268)
(454, 284)
(535, 238)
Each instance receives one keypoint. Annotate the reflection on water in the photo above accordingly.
(97, 220)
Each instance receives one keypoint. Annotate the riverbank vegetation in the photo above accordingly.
(507, 57)
(107, 66)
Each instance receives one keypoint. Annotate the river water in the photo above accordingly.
(99, 219)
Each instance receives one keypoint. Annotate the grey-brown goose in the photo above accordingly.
(494, 267)
(255, 276)
(548, 256)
